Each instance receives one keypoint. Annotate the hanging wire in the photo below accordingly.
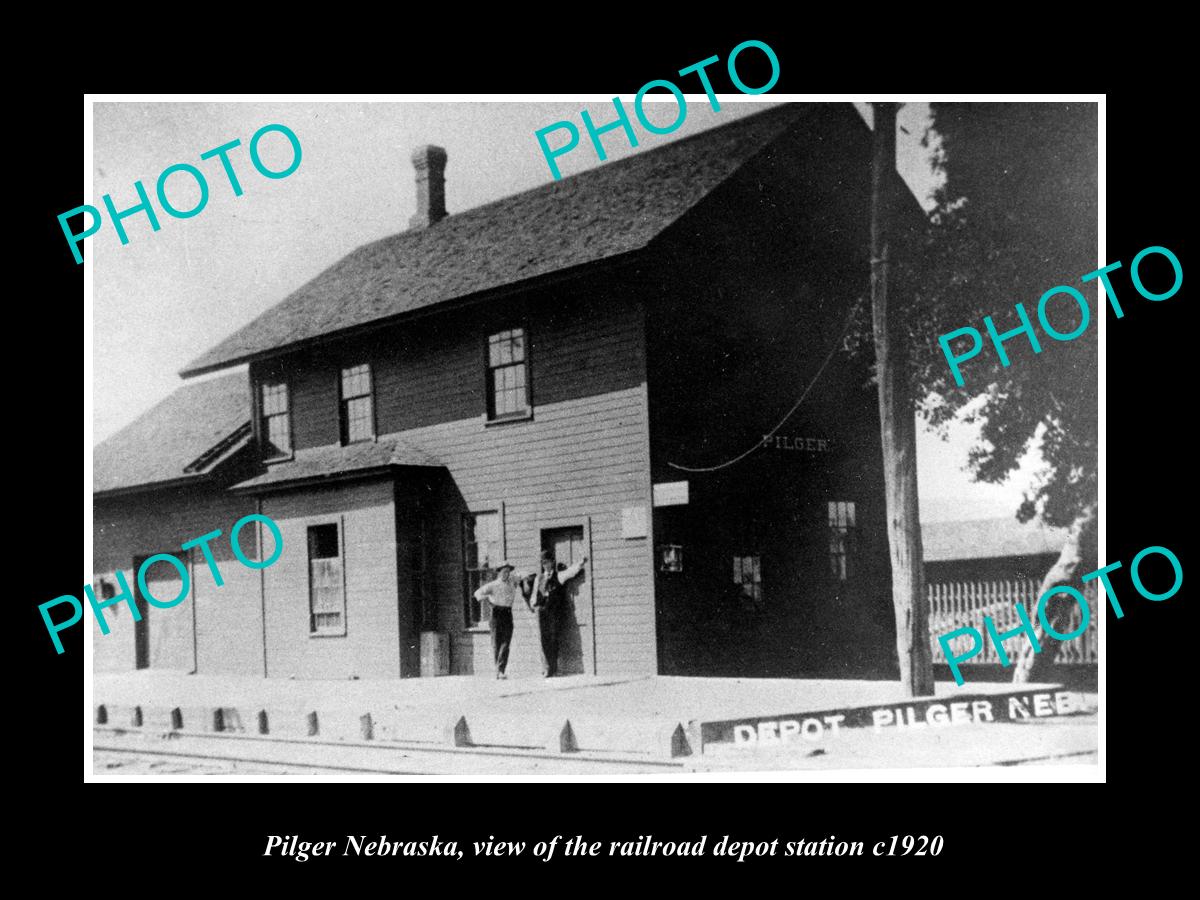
(767, 437)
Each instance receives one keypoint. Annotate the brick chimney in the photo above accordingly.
(430, 163)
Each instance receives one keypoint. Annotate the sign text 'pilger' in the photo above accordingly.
(907, 716)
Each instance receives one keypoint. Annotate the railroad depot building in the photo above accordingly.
(531, 374)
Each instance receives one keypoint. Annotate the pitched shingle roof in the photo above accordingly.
(324, 463)
(182, 438)
(602, 213)
(988, 539)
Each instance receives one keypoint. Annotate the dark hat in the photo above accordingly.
(547, 556)
(505, 564)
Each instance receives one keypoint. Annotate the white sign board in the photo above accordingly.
(671, 493)
(634, 522)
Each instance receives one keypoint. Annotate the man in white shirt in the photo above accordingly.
(501, 592)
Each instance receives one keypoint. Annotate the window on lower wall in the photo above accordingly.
(842, 538)
(481, 553)
(747, 574)
(326, 585)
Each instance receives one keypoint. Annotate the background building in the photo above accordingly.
(982, 549)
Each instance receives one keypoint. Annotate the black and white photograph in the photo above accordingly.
(677, 435)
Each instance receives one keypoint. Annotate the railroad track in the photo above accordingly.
(313, 755)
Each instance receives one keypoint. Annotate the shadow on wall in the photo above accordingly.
(732, 641)
(570, 643)
(444, 573)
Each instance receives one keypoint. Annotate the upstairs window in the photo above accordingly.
(357, 406)
(276, 422)
(508, 374)
(842, 535)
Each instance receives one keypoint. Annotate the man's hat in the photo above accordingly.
(505, 564)
(547, 556)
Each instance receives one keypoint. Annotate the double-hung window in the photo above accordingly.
(842, 534)
(508, 374)
(747, 574)
(276, 420)
(357, 405)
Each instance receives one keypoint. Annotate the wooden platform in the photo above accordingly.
(652, 719)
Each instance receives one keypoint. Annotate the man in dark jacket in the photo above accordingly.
(548, 599)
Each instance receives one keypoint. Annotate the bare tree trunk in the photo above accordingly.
(897, 420)
(1078, 557)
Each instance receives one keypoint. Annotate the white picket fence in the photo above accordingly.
(954, 605)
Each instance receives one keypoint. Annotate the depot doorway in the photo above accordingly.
(565, 543)
(577, 638)
(165, 639)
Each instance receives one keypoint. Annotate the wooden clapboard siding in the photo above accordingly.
(584, 455)
(371, 646)
(314, 404)
(543, 483)
(432, 371)
(227, 619)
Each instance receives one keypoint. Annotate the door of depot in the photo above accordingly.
(164, 638)
(576, 643)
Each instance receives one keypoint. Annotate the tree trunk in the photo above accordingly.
(1078, 557)
(897, 421)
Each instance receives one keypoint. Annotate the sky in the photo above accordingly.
(169, 295)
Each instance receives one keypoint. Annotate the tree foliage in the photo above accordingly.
(1015, 216)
